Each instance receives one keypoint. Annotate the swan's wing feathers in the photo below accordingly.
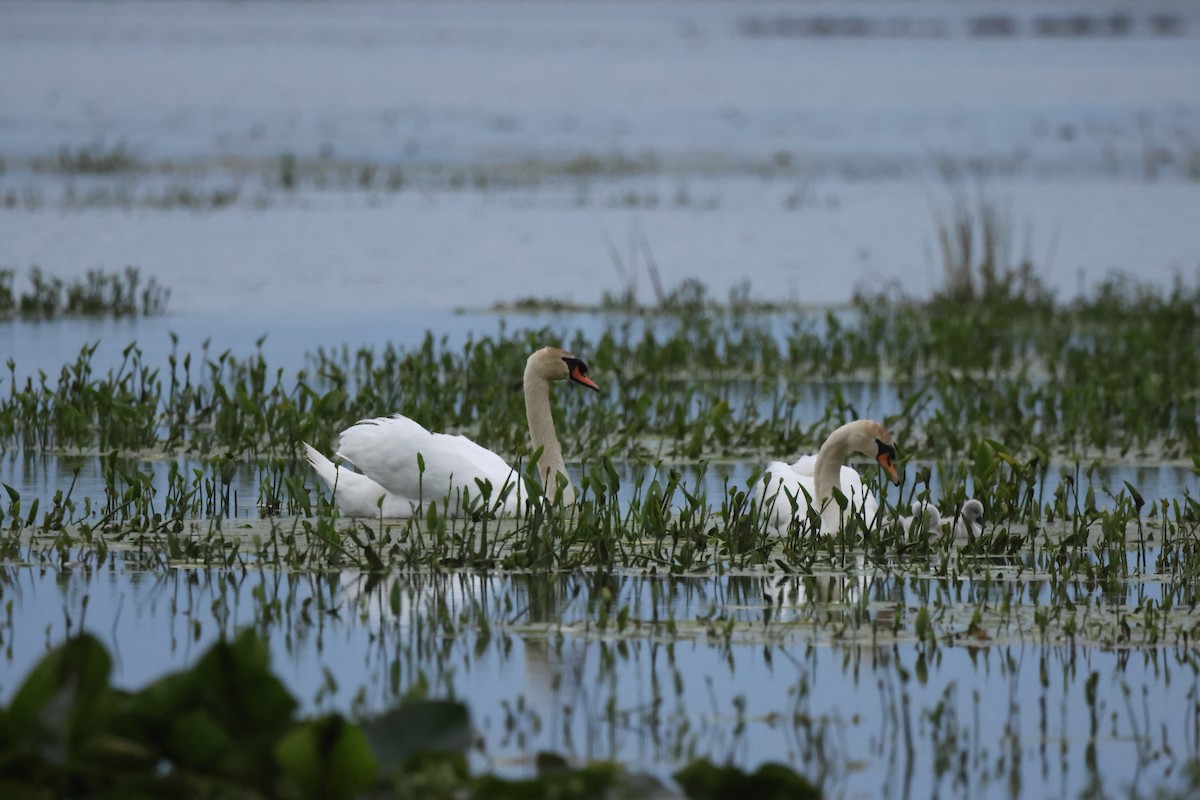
(806, 465)
(779, 484)
(385, 449)
(860, 495)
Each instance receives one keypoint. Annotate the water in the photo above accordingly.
(537, 144)
(700, 668)
(808, 166)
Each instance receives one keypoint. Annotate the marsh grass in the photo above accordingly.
(1017, 408)
(977, 243)
(1017, 400)
(96, 158)
(98, 294)
(1082, 380)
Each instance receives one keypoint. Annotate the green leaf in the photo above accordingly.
(198, 735)
(394, 598)
(1138, 500)
(705, 781)
(419, 726)
(331, 402)
(52, 712)
(327, 758)
(233, 689)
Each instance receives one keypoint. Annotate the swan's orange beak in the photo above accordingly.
(577, 375)
(885, 460)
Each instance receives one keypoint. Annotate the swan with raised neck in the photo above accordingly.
(541, 368)
(402, 466)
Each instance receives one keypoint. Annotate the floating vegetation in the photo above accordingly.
(1079, 382)
(97, 294)
(227, 726)
(96, 158)
(668, 558)
(985, 682)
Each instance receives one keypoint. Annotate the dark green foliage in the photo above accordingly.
(704, 780)
(98, 294)
(226, 728)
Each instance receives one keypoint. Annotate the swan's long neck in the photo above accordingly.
(828, 474)
(541, 432)
(828, 470)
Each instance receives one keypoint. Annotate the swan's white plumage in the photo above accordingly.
(815, 477)
(385, 450)
(933, 517)
(783, 481)
(391, 482)
(968, 522)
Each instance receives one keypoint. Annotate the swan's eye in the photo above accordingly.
(578, 372)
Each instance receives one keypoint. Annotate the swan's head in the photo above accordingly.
(556, 364)
(872, 439)
(972, 511)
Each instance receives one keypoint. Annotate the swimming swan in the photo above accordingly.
(385, 450)
(819, 474)
(969, 521)
(933, 517)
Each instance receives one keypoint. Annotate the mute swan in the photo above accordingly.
(385, 449)
(933, 517)
(968, 522)
(819, 474)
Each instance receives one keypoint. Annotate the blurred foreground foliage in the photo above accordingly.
(227, 727)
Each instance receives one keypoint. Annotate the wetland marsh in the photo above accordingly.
(1002, 270)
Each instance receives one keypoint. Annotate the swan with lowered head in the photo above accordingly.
(820, 474)
(385, 449)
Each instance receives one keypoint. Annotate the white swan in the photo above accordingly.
(819, 474)
(385, 450)
(968, 522)
(922, 509)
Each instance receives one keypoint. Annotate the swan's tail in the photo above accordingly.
(324, 467)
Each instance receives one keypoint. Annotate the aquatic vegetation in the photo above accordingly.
(227, 726)
(96, 158)
(1040, 410)
(1086, 380)
(98, 294)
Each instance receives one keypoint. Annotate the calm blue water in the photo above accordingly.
(529, 657)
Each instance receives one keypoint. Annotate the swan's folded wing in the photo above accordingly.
(860, 496)
(779, 484)
(806, 465)
(385, 449)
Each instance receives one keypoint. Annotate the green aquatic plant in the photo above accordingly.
(96, 158)
(704, 385)
(1017, 406)
(227, 726)
(98, 294)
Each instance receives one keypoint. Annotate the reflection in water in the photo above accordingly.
(829, 673)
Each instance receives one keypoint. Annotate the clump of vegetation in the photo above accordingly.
(976, 239)
(227, 727)
(97, 294)
(1082, 380)
(96, 158)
